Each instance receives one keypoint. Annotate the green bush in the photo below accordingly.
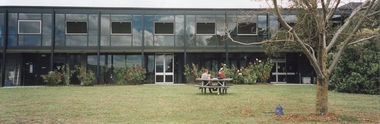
(358, 70)
(129, 75)
(192, 72)
(53, 78)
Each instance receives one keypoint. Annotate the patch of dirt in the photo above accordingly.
(329, 118)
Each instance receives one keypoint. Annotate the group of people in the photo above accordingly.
(206, 75)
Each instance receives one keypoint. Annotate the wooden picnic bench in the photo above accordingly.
(221, 85)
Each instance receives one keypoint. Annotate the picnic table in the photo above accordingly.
(221, 84)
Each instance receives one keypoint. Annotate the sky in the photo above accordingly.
(147, 3)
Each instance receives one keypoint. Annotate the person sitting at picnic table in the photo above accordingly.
(205, 75)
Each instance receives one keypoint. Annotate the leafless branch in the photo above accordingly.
(364, 39)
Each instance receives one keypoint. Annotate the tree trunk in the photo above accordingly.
(322, 95)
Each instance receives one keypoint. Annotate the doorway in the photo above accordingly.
(164, 68)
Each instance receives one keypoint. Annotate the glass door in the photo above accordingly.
(164, 73)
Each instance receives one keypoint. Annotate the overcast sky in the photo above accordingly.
(147, 3)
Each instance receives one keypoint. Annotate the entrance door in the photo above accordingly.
(164, 73)
(279, 71)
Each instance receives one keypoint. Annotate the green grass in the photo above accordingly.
(174, 104)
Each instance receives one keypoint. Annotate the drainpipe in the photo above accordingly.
(52, 42)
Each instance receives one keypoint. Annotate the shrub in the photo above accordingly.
(53, 78)
(129, 75)
(67, 73)
(191, 73)
(86, 77)
(358, 69)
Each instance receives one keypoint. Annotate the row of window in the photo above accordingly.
(75, 27)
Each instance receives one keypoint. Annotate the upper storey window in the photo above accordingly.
(205, 28)
(164, 28)
(29, 26)
(121, 27)
(247, 28)
(73, 27)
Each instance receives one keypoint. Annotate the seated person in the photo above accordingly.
(205, 75)
(221, 75)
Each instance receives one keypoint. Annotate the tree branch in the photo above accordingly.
(345, 25)
(346, 41)
(301, 44)
(364, 39)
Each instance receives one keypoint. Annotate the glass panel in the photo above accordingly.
(205, 18)
(190, 24)
(46, 29)
(119, 61)
(262, 24)
(137, 30)
(29, 40)
(169, 63)
(93, 25)
(12, 29)
(29, 16)
(134, 60)
(164, 40)
(205, 28)
(121, 28)
(180, 40)
(163, 28)
(150, 63)
(29, 27)
(166, 18)
(168, 78)
(105, 32)
(59, 29)
(104, 41)
(93, 41)
(179, 24)
(273, 24)
(82, 17)
(121, 40)
(220, 26)
(76, 27)
(159, 78)
(73, 40)
(159, 63)
(148, 33)
(121, 17)
(204, 40)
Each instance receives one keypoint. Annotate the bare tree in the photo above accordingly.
(316, 38)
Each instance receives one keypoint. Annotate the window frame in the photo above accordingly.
(154, 28)
(196, 30)
(66, 27)
(130, 22)
(18, 24)
(256, 30)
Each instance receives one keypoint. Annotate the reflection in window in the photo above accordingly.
(164, 28)
(76, 27)
(121, 28)
(29, 26)
(205, 28)
(247, 28)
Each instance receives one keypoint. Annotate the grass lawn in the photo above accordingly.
(179, 104)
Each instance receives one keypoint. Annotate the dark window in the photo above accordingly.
(164, 28)
(205, 28)
(121, 28)
(29, 27)
(76, 27)
(247, 28)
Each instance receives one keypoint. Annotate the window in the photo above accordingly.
(121, 28)
(164, 28)
(76, 27)
(247, 28)
(205, 28)
(29, 26)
